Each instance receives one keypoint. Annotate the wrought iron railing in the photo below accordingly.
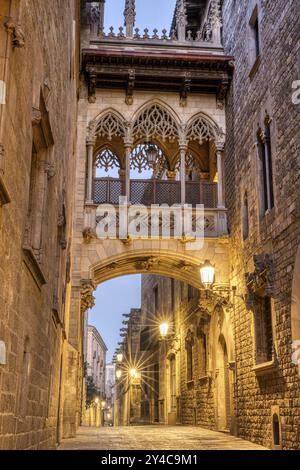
(147, 192)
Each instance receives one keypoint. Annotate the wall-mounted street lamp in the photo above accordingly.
(103, 404)
(207, 273)
(133, 373)
(96, 401)
(120, 357)
(220, 293)
(164, 329)
(118, 374)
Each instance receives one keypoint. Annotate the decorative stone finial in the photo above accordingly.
(181, 21)
(129, 17)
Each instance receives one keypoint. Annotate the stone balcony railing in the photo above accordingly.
(146, 37)
(215, 222)
(153, 191)
(150, 194)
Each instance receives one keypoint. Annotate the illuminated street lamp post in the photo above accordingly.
(207, 273)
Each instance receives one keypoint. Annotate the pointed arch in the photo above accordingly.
(155, 120)
(203, 128)
(110, 123)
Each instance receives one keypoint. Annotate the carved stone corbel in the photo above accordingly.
(185, 89)
(130, 88)
(16, 32)
(89, 235)
(221, 94)
(92, 84)
(87, 295)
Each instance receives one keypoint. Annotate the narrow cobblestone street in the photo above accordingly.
(155, 438)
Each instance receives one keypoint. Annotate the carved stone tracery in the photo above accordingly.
(155, 122)
(107, 160)
(108, 126)
(201, 130)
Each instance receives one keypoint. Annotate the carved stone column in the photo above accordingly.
(183, 173)
(220, 169)
(127, 169)
(90, 161)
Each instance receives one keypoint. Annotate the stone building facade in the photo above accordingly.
(264, 209)
(187, 376)
(38, 87)
(96, 359)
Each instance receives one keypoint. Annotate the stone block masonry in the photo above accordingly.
(37, 135)
(260, 88)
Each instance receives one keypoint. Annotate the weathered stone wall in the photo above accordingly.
(32, 318)
(195, 398)
(265, 88)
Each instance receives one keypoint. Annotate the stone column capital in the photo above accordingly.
(91, 141)
(220, 145)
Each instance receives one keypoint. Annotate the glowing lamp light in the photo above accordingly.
(164, 330)
(103, 404)
(120, 357)
(207, 273)
(133, 373)
(108, 416)
(96, 401)
(118, 374)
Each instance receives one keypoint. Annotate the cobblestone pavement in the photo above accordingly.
(155, 438)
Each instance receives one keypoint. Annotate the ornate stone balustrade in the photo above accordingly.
(147, 36)
(215, 222)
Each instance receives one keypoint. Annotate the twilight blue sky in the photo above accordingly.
(149, 13)
(113, 298)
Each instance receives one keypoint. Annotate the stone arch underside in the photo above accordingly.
(108, 259)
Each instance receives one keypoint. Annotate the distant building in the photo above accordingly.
(96, 358)
(110, 380)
